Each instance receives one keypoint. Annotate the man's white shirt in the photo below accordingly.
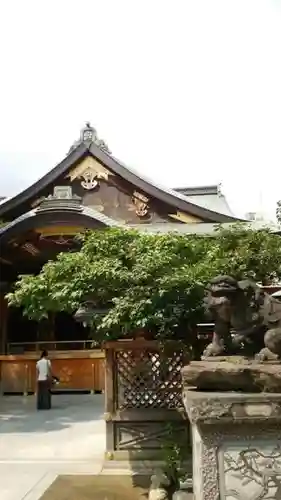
(44, 369)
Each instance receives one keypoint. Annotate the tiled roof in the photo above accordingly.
(96, 148)
(86, 211)
(209, 197)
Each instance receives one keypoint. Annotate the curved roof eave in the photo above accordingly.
(63, 166)
(168, 196)
(86, 213)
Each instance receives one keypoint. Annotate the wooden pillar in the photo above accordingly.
(3, 322)
(109, 401)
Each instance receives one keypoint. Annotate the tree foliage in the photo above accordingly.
(151, 282)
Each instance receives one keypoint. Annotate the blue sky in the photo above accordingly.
(186, 92)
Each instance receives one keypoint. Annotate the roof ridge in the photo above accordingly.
(170, 191)
(96, 149)
(204, 189)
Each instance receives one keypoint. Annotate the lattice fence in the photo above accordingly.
(145, 379)
(143, 394)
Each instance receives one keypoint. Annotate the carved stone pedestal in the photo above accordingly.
(236, 445)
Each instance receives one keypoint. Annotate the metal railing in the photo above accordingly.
(204, 331)
(49, 345)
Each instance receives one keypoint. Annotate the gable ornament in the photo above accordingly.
(90, 172)
(91, 177)
(141, 204)
(89, 135)
(89, 180)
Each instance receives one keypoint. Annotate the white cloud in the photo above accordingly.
(187, 92)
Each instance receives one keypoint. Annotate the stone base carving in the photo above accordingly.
(236, 445)
(233, 374)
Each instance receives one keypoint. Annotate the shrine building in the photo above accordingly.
(88, 189)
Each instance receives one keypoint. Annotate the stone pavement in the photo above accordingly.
(37, 446)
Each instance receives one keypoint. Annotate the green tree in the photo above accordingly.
(154, 282)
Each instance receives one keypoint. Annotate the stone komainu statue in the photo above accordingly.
(247, 319)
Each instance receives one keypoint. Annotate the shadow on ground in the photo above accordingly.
(97, 487)
(18, 414)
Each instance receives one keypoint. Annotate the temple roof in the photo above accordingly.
(209, 197)
(39, 235)
(90, 145)
(86, 212)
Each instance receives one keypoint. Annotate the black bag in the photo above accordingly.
(55, 380)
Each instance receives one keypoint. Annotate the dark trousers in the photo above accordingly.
(43, 395)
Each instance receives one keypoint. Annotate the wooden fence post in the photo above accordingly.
(109, 400)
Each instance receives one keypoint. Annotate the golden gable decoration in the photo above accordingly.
(90, 171)
(141, 204)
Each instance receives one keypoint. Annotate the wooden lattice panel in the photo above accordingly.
(147, 435)
(147, 379)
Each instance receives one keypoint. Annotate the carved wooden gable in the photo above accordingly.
(107, 192)
(92, 173)
(89, 172)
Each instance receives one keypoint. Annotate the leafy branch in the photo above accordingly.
(150, 282)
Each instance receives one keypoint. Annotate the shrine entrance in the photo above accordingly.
(25, 247)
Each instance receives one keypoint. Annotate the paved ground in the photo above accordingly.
(36, 446)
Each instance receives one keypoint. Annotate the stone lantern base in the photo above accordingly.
(236, 445)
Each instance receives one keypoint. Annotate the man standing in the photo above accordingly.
(44, 376)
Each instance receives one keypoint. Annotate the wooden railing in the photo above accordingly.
(52, 345)
(77, 370)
